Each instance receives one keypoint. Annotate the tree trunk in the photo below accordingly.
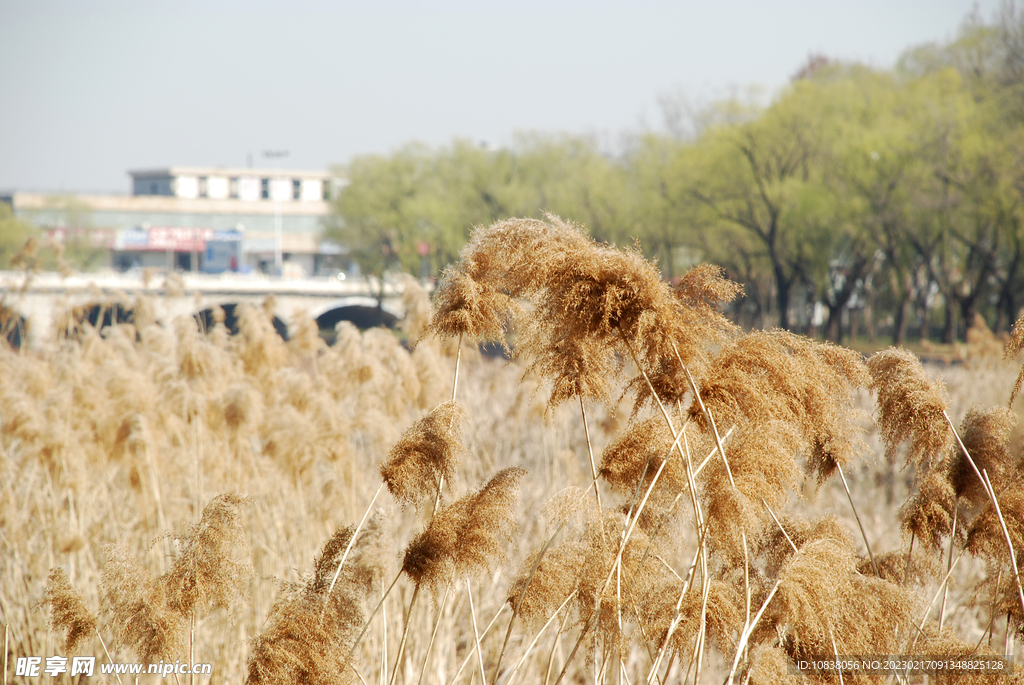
(968, 307)
(834, 325)
(899, 326)
(1002, 318)
(1006, 307)
(782, 288)
(949, 327)
(1006, 311)
(869, 310)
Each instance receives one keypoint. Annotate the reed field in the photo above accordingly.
(644, 494)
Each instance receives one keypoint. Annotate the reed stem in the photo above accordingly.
(366, 625)
(433, 633)
(526, 652)
(779, 524)
(987, 485)
(405, 633)
(476, 632)
(590, 451)
(458, 360)
(949, 562)
(860, 525)
(348, 547)
(707, 415)
(519, 600)
(102, 644)
(747, 632)
(469, 656)
(910, 555)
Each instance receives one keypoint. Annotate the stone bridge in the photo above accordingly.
(40, 300)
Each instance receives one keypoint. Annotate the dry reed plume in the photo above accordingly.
(928, 515)
(68, 611)
(139, 611)
(986, 435)
(823, 601)
(426, 455)
(1013, 347)
(151, 615)
(685, 537)
(466, 537)
(209, 572)
(910, 407)
(311, 628)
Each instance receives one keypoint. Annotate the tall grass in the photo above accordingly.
(646, 494)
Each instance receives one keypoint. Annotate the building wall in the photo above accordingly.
(301, 222)
(249, 185)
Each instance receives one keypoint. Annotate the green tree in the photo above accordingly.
(14, 233)
(375, 217)
(395, 203)
(668, 218)
(758, 181)
(569, 176)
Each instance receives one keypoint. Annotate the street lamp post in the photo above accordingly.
(277, 156)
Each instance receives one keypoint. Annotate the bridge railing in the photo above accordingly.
(12, 282)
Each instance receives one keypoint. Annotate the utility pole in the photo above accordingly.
(277, 156)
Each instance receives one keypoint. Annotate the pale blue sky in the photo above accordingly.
(93, 88)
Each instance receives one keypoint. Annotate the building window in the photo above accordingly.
(265, 188)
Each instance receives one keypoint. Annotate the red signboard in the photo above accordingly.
(179, 239)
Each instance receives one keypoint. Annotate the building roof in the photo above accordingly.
(165, 172)
(162, 203)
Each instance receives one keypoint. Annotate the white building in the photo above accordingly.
(200, 219)
(247, 185)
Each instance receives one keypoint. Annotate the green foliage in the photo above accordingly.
(13, 235)
(418, 195)
(898, 193)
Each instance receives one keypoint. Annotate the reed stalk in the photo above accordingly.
(949, 563)
(351, 543)
(519, 600)
(910, 555)
(987, 485)
(476, 632)
(590, 452)
(366, 624)
(102, 644)
(433, 633)
(779, 524)
(928, 609)
(536, 638)
(707, 415)
(405, 633)
(469, 656)
(747, 630)
(860, 525)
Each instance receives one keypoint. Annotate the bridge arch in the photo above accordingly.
(46, 298)
(362, 312)
(97, 314)
(207, 318)
(13, 327)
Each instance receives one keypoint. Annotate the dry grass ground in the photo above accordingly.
(116, 452)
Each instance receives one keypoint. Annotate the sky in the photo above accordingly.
(89, 90)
